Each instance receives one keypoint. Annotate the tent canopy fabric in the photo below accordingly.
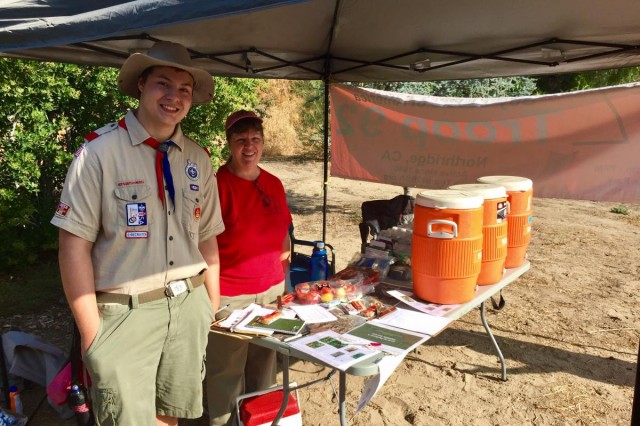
(335, 40)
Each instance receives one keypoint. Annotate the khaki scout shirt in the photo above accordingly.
(110, 198)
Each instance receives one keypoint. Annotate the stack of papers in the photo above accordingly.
(239, 319)
(414, 321)
(313, 314)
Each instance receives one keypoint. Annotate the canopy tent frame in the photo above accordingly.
(555, 56)
(339, 41)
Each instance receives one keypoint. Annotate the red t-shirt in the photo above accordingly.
(256, 219)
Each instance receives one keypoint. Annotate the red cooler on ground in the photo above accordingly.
(260, 408)
(494, 229)
(447, 245)
(519, 215)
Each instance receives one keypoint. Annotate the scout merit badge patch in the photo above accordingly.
(192, 170)
(196, 213)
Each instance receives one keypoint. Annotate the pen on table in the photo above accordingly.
(370, 344)
(222, 308)
(303, 333)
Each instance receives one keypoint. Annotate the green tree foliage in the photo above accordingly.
(311, 132)
(46, 108)
(205, 123)
(558, 83)
(479, 88)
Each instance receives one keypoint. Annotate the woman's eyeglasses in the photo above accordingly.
(266, 201)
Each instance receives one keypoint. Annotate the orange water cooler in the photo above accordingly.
(519, 215)
(494, 229)
(446, 250)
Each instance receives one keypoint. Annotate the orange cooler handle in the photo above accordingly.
(442, 235)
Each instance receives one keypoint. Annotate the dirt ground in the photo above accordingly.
(569, 332)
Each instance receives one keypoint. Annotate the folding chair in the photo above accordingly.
(300, 266)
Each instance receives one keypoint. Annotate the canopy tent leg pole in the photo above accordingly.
(325, 168)
(635, 408)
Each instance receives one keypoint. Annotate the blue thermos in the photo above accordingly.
(319, 262)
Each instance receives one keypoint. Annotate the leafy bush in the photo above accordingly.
(620, 210)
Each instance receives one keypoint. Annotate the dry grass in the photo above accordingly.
(283, 118)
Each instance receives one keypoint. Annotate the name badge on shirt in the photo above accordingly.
(137, 214)
(136, 234)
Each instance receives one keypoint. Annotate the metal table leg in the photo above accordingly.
(342, 398)
(483, 317)
(285, 387)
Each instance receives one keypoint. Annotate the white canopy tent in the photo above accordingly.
(335, 40)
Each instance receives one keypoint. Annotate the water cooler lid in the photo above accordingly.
(488, 191)
(448, 199)
(512, 183)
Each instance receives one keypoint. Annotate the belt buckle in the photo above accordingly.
(175, 288)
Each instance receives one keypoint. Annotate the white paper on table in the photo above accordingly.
(428, 308)
(328, 347)
(414, 321)
(313, 314)
(386, 366)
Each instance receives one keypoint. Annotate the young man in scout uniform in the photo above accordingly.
(138, 219)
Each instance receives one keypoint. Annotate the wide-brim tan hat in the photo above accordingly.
(166, 54)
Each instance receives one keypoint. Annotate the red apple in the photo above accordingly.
(312, 298)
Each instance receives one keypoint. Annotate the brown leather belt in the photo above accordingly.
(147, 296)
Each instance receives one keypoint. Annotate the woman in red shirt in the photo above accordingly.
(254, 254)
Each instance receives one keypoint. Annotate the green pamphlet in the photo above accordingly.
(281, 325)
(392, 339)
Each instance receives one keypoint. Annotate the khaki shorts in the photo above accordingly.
(149, 360)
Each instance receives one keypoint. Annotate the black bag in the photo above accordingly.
(384, 214)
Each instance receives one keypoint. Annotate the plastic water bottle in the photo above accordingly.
(319, 263)
(15, 401)
(78, 404)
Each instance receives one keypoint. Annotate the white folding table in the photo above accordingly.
(369, 367)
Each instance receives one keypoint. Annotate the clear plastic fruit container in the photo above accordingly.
(347, 285)
(314, 292)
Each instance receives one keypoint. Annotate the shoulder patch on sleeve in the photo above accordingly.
(62, 209)
(101, 131)
(79, 151)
